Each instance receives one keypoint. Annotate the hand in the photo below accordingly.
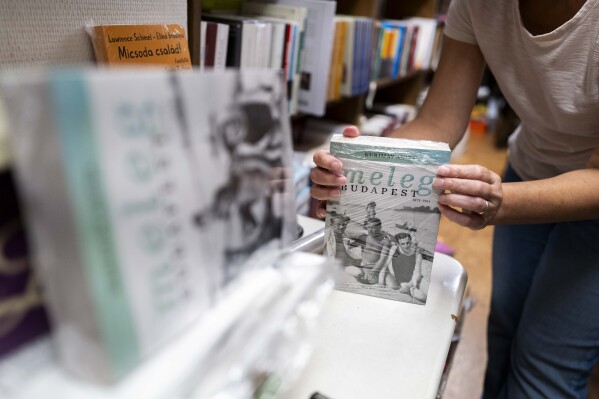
(405, 289)
(474, 189)
(328, 175)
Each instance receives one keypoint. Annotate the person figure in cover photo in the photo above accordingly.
(542, 338)
(250, 133)
(370, 213)
(402, 267)
(373, 242)
(339, 244)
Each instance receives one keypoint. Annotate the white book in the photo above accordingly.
(316, 53)
(146, 194)
(263, 45)
(222, 41)
(278, 45)
(423, 54)
(297, 15)
(202, 43)
(383, 228)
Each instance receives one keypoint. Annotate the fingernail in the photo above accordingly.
(444, 170)
(321, 213)
(341, 180)
(438, 182)
(335, 193)
(336, 165)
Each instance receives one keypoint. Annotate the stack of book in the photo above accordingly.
(293, 35)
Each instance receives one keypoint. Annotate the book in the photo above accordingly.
(213, 46)
(383, 228)
(316, 46)
(146, 193)
(163, 46)
(297, 15)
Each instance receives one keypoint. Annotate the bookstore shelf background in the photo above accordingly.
(157, 234)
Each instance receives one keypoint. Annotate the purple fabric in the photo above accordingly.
(16, 275)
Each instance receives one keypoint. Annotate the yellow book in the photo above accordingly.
(339, 63)
(163, 46)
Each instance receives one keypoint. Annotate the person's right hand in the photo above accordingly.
(328, 175)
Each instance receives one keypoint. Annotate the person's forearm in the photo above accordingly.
(570, 196)
(423, 129)
(446, 110)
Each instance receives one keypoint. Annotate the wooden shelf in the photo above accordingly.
(386, 82)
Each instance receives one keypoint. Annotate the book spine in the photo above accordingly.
(211, 33)
(203, 25)
(234, 45)
(86, 186)
(100, 45)
(222, 40)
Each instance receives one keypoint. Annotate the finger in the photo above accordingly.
(326, 178)
(321, 210)
(470, 220)
(351, 131)
(475, 188)
(324, 193)
(325, 160)
(470, 172)
(466, 202)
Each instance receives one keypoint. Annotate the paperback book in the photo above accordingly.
(162, 46)
(146, 193)
(383, 228)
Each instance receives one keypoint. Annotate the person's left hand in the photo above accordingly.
(474, 189)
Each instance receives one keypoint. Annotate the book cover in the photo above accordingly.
(383, 228)
(148, 45)
(146, 194)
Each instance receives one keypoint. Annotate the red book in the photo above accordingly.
(211, 30)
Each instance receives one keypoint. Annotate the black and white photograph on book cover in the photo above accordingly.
(384, 251)
(249, 134)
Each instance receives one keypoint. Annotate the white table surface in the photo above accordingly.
(366, 347)
(369, 347)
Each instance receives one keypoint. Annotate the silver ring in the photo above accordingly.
(486, 208)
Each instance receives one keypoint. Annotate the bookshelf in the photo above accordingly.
(405, 88)
(348, 109)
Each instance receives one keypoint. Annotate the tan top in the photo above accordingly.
(550, 80)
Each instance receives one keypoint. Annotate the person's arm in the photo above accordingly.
(446, 110)
(443, 117)
(386, 254)
(416, 275)
(481, 199)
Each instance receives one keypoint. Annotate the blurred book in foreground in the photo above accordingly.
(146, 194)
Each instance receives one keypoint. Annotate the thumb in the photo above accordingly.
(351, 131)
